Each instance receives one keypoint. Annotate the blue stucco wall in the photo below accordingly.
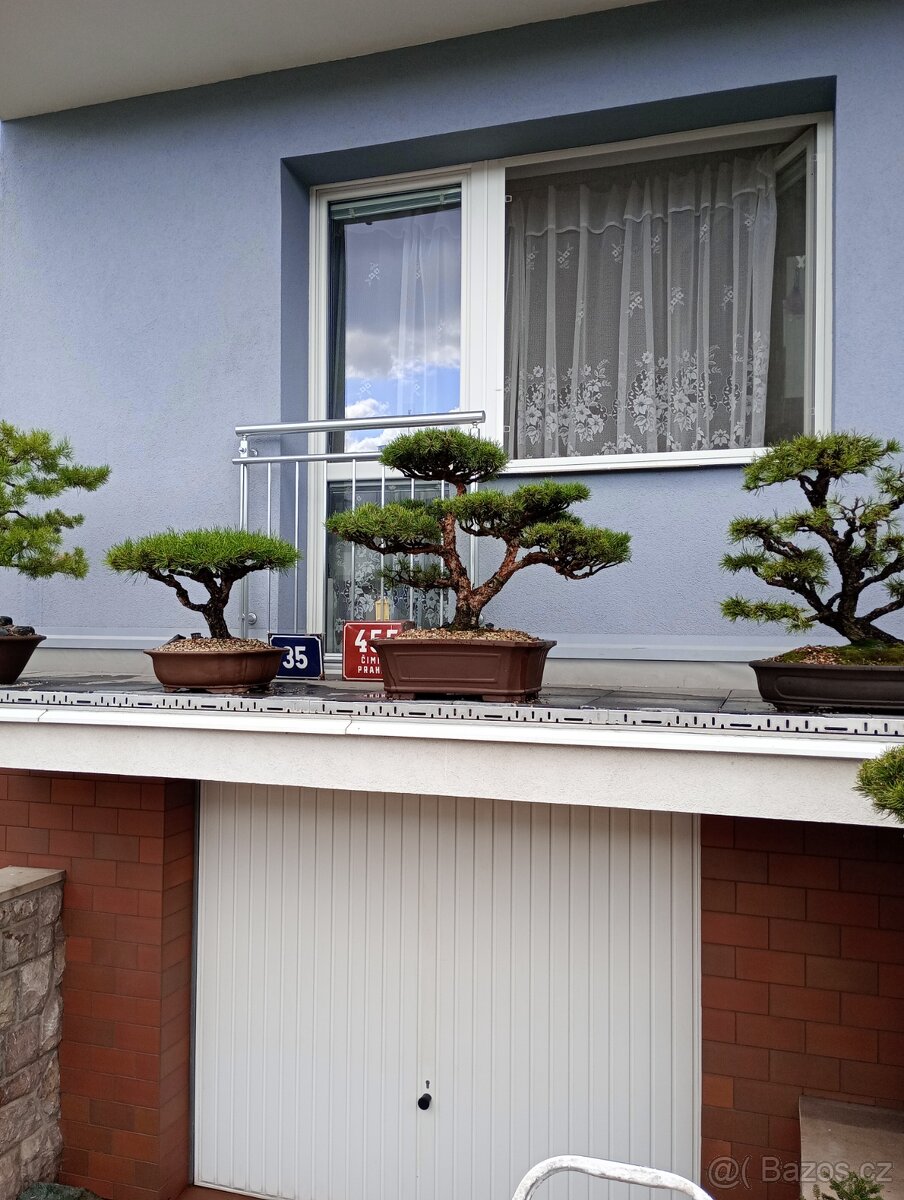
(153, 268)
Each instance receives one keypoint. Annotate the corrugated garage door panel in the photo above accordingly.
(537, 964)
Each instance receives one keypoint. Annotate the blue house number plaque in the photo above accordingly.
(303, 658)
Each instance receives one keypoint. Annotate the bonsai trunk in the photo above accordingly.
(859, 630)
(470, 601)
(467, 617)
(216, 621)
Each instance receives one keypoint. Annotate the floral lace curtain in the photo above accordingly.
(638, 308)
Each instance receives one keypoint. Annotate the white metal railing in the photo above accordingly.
(601, 1168)
(272, 466)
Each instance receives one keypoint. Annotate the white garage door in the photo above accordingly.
(533, 968)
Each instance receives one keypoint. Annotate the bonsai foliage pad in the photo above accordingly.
(496, 671)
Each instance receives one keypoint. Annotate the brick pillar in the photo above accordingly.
(803, 989)
(31, 966)
(127, 846)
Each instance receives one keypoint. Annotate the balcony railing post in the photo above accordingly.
(269, 534)
(243, 523)
(297, 546)
(353, 590)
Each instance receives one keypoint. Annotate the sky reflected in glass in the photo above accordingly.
(402, 319)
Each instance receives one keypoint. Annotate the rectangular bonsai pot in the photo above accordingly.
(220, 672)
(493, 670)
(790, 685)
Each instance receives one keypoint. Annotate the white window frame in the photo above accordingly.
(481, 196)
(483, 187)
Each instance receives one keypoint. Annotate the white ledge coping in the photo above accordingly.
(780, 776)
(18, 881)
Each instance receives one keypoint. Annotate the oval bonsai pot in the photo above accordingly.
(854, 686)
(505, 672)
(221, 672)
(15, 651)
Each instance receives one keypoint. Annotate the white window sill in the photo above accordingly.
(632, 462)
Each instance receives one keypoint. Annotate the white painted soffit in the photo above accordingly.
(781, 776)
(57, 54)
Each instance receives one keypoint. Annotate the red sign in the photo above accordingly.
(359, 659)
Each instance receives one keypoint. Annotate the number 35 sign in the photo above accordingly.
(303, 658)
(359, 659)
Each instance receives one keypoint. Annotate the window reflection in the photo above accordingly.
(395, 281)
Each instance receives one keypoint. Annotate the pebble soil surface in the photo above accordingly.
(467, 635)
(212, 645)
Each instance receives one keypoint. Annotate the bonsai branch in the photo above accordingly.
(863, 541)
(214, 558)
(534, 518)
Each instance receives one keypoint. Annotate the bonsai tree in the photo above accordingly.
(34, 469)
(852, 1186)
(858, 536)
(881, 780)
(215, 559)
(533, 522)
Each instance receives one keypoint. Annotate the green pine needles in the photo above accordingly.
(35, 469)
(852, 1186)
(534, 523)
(881, 780)
(850, 543)
(214, 558)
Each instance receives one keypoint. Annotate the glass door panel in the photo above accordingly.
(394, 351)
(395, 310)
(355, 590)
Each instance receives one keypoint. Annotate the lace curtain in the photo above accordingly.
(638, 308)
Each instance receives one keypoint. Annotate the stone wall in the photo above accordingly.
(32, 955)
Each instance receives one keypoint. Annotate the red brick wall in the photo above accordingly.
(803, 984)
(127, 847)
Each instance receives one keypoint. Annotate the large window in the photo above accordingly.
(636, 305)
(644, 305)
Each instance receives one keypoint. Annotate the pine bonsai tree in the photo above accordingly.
(214, 558)
(862, 543)
(852, 1186)
(533, 522)
(881, 780)
(34, 468)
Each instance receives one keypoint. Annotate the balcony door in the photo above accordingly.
(388, 334)
(394, 351)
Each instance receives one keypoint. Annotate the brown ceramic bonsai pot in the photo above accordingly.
(854, 686)
(221, 672)
(15, 651)
(496, 671)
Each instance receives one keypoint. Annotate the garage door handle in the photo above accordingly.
(424, 1101)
